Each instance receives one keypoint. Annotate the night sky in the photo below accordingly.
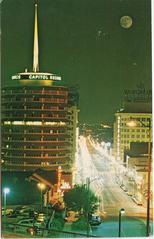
(83, 41)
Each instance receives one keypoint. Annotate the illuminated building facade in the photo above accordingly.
(137, 106)
(39, 120)
(37, 126)
(124, 135)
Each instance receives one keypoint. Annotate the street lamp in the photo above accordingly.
(133, 123)
(88, 185)
(41, 186)
(6, 191)
(88, 181)
(121, 211)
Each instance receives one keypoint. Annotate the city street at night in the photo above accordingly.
(104, 183)
(76, 119)
(99, 167)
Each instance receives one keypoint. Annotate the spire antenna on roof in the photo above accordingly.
(36, 47)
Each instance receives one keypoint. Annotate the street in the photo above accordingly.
(96, 164)
(98, 167)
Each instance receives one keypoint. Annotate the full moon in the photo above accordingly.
(126, 22)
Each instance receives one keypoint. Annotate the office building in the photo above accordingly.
(39, 120)
(138, 111)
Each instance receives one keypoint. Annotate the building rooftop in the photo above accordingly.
(137, 107)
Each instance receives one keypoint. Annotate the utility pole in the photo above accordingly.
(149, 181)
(88, 185)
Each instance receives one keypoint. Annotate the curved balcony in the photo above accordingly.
(30, 110)
(37, 157)
(48, 91)
(56, 119)
(34, 165)
(36, 102)
(32, 133)
(37, 141)
(36, 149)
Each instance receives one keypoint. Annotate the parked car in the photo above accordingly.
(124, 189)
(95, 220)
(121, 185)
(6, 211)
(28, 225)
(42, 217)
(138, 202)
(72, 216)
(23, 212)
(129, 193)
(23, 225)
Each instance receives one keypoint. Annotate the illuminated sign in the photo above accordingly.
(65, 185)
(138, 95)
(36, 77)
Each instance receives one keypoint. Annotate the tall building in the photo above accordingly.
(39, 119)
(137, 107)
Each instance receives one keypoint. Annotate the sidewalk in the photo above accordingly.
(12, 235)
(68, 228)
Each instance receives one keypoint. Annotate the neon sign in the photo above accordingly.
(39, 76)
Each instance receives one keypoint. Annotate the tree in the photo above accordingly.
(77, 200)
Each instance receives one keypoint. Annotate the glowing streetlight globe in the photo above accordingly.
(6, 190)
(41, 186)
(122, 210)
